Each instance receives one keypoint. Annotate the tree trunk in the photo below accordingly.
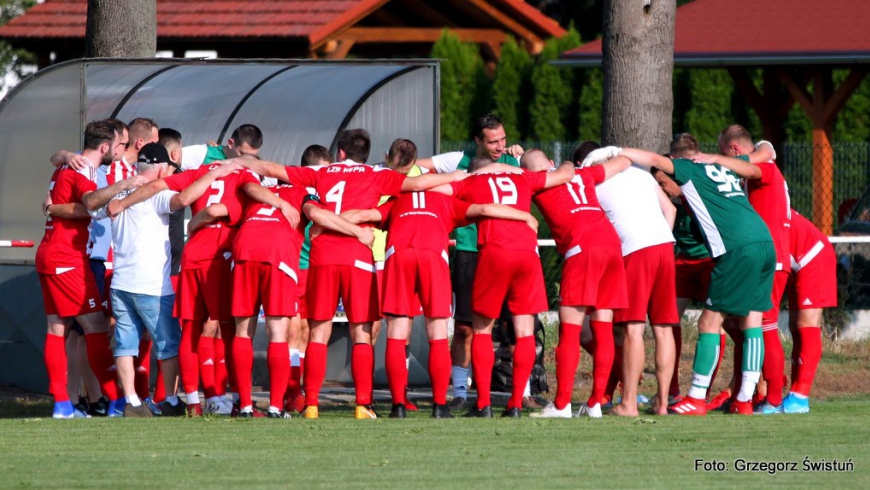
(638, 65)
(121, 29)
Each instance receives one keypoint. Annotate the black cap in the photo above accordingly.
(153, 153)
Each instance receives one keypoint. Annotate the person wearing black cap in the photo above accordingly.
(141, 293)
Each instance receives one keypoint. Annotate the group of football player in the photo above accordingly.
(298, 239)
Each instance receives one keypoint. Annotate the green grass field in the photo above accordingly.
(339, 452)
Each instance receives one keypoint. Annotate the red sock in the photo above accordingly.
(482, 362)
(54, 355)
(243, 354)
(524, 362)
(723, 342)
(810, 355)
(315, 372)
(773, 366)
(279, 371)
(101, 360)
(188, 357)
(674, 389)
(603, 360)
(567, 359)
(221, 361)
(160, 386)
(439, 370)
(362, 365)
(142, 365)
(228, 333)
(397, 373)
(205, 352)
(796, 349)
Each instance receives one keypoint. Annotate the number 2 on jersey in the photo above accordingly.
(215, 198)
(335, 194)
(504, 186)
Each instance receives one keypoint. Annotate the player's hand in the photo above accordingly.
(314, 231)
(600, 155)
(704, 158)
(227, 167)
(515, 151)
(533, 223)
(76, 161)
(46, 204)
(768, 143)
(291, 214)
(459, 175)
(135, 182)
(212, 143)
(114, 208)
(366, 236)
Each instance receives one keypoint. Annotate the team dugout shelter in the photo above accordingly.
(295, 103)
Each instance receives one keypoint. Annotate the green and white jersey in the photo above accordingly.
(687, 233)
(718, 202)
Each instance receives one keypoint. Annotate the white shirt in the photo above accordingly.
(192, 157)
(141, 240)
(631, 203)
(101, 230)
(447, 162)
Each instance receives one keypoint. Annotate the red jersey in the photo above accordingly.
(574, 214)
(422, 220)
(119, 170)
(216, 238)
(806, 241)
(266, 236)
(342, 187)
(65, 241)
(769, 197)
(511, 189)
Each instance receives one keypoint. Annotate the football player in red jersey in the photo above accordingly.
(68, 286)
(340, 265)
(508, 267)
(593, 276)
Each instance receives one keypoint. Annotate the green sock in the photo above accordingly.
(706, 356)
(753, 350)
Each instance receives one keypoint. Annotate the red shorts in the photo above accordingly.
(70, 293)
(815, 285)
(205, 293)
(416, 278)
(512, 274)
(693, 277)
(594, 277)
(262, 283)
(357, 286)
(300, 290)
(770, 318)
(651, 285)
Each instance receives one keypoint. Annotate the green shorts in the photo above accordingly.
(742, 280)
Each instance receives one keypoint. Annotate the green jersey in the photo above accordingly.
(687, 233)
(466, 237)
(214, 154)
(724, 214)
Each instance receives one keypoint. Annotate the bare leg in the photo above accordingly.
(632, 369)
(665, 359)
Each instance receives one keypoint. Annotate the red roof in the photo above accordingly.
(747, 29)
(315, 20)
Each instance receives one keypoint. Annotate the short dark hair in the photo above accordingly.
(489, 121)
(582, 150)
(684, 143)
(315, 155)
(735, 132)
(479, 163)
(248, 133)
(141, 128)
(119, 125)
(356, 144)
(168, 136)
(97, 133)
(403, 152)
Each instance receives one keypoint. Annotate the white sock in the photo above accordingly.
(798, 395)
(134, 400)
(700, 383)
(274, 409)
(528, 389)
(193, 398)
(295, 358)
(747, 385)
(173, 400)
(248, 409)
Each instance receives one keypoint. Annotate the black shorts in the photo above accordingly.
(462, 277)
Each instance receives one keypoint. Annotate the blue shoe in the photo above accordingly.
(155, 409)
(116, 407)
(795, 404)
(767, 409)
(66, 410)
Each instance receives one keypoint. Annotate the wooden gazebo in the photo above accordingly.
(796, 44)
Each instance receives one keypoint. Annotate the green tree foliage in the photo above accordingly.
(14, 60)
(511, 89)
(853, 122)
(710, 103)
(591, 96)
(460, 80)
(553, 113)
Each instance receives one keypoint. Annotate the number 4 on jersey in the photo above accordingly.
(335, 194)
